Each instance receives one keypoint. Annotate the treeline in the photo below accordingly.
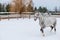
(4, 8)
(29, 8)
(41, 9)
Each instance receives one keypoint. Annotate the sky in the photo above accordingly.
(50, 4)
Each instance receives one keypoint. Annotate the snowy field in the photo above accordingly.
(26, 29)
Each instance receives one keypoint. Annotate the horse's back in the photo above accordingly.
(48, 21)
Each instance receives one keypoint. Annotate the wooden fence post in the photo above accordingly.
(29, 16)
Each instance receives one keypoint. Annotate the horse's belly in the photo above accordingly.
(48, 24)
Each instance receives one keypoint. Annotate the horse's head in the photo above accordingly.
(36, 16)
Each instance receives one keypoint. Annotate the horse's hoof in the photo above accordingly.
(50, 30)
(43, 34)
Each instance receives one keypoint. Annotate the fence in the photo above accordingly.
(11, 15)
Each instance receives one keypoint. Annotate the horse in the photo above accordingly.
(45, 20)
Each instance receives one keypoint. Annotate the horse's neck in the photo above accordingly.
(41, 18)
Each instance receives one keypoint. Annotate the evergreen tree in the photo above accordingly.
(35, 9)
(2, 8)
(8, 8)
(42, 9)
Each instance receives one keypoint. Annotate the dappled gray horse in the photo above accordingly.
(45, 20)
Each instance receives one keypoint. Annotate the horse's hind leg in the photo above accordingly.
(42, 31)
(51, 28)
(54, 26)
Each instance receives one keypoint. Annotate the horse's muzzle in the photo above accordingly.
(34, 19)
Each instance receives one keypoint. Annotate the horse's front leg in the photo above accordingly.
(51, 28)
(42, 31)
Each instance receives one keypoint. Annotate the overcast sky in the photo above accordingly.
(50, 4)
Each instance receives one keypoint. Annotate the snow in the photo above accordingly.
(26, 29)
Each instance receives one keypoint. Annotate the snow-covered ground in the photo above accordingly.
(26, 29)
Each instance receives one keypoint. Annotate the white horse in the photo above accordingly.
(45, 20)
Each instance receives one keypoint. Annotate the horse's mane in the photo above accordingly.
(44, 14)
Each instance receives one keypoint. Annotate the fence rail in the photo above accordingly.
(15, 15)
